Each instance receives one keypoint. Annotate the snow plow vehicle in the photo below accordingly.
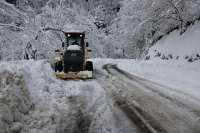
(72, 62)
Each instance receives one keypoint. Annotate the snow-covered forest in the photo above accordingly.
(114, 28)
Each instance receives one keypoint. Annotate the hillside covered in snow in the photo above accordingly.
(173, 61)
(114, 28)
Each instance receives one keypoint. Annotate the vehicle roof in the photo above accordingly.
(75, 33)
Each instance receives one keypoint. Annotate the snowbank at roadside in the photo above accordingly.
(182, 76)
(15, 102)
(30, 94)
(38, 102)
(177, 74)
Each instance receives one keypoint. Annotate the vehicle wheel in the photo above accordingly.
(58, 66)
(89, 66)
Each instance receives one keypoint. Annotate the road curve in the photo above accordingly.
(153, 108)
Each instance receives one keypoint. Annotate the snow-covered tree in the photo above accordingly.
(114, 28)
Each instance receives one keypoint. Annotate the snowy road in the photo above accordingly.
(33, 100)
(151, 107)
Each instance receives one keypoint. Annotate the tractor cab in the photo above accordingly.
(75, 38)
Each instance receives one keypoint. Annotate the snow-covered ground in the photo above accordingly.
(179, 45)
(33, 100)
(182, 76)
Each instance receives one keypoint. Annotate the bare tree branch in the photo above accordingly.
(11, 25)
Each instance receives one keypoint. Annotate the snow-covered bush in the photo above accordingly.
(15, 103)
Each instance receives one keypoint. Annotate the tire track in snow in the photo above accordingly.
(124, 84)
(133, 112)
(177, 99)
(83, 120)
(76, 119)
(136, 115)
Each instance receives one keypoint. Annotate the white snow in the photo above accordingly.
(178, 74)
(179, 45)
(57, 105)
(74, 47)
(53, 105)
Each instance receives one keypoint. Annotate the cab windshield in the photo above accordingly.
(74, 41)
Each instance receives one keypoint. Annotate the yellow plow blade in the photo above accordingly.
(80, 75)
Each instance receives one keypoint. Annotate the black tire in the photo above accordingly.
(89, 66)
(58, 66)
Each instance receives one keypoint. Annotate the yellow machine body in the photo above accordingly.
(85, 67)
